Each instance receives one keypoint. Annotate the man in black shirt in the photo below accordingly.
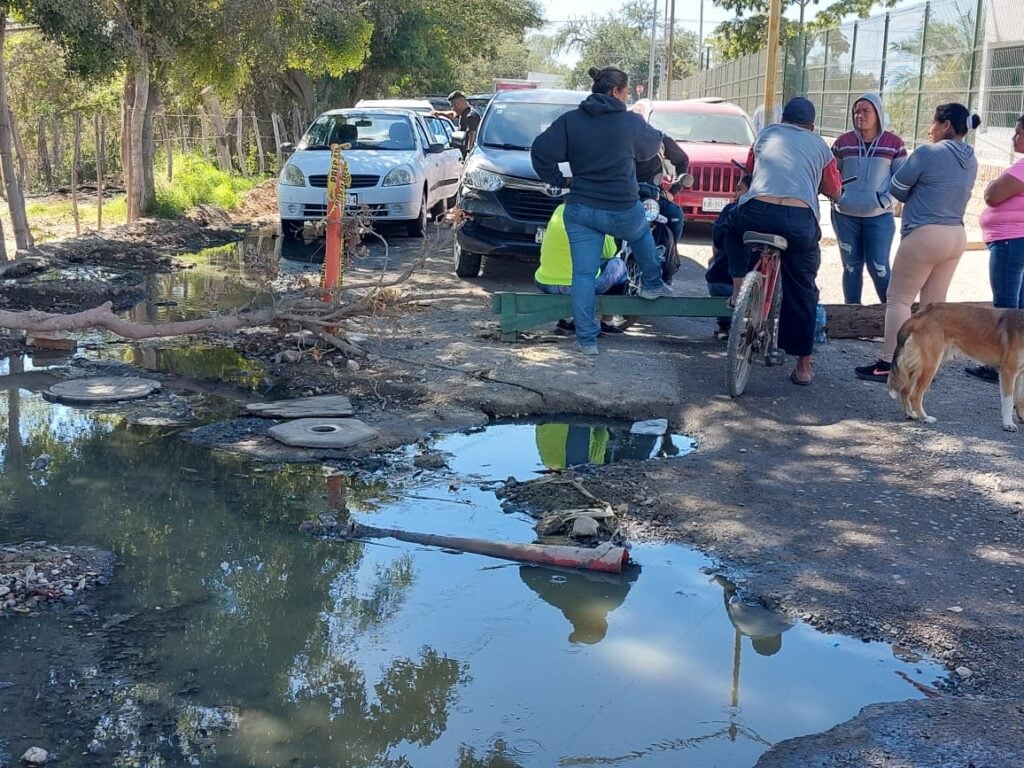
(468, 119)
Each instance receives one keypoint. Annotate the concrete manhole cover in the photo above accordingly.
(324, 406)
(103, 389)
(323, 433)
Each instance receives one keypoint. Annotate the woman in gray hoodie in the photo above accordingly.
(862, 217)
(935, 185)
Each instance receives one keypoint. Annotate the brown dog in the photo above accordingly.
(993, 337)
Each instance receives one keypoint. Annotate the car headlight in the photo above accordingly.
(292, 176)
(485, 181)
(651, 209)
(398, 177)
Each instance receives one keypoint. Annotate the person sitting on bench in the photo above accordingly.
(717, 277)
(554, 275)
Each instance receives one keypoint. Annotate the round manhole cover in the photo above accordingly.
(103, 389)
(323, 433)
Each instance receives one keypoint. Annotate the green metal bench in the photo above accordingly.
(521, 311)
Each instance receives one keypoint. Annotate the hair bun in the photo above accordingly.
(595, 73)
(975, 121)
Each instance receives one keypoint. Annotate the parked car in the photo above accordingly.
(415, 105)
(713, 133)
(508, 205)
(402, 163)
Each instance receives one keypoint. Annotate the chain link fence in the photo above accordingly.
(970, 51)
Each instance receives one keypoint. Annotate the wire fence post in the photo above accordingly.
(885, 56)
(853, 69)
(920, 76)
(971, 82)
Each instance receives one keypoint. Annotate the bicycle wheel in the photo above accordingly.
(634, 281)
(746, 325)
(772, 354)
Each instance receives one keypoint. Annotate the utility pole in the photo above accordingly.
(654, 37)
(671, 43)
(774, 29)
(700, 34)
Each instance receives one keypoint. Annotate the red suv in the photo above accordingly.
(713, 133)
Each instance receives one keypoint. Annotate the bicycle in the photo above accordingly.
(755, 318)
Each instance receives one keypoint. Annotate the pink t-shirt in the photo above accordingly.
(1006, 220)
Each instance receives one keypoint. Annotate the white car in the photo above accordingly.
(402, 164)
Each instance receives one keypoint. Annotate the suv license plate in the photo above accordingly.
(351, 200)
(714, 204)
(539, 237)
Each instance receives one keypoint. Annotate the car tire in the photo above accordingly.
(418, 226)
(466, 264)
(292, 230)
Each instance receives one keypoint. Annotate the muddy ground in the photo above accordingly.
(823, 498)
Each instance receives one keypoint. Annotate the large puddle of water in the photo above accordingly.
(281, 649)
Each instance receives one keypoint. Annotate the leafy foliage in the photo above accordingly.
(748, 32)
(623, 40)
(196, 182)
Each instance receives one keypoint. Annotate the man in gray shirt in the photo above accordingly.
(790, 165)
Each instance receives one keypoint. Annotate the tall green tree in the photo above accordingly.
(748, 31)
(623, 39)
(515, 57)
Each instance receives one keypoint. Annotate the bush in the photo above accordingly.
(197, 182)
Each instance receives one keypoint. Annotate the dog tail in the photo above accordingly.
(905, 361)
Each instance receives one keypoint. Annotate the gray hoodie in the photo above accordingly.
(872, 163)
(936, 184)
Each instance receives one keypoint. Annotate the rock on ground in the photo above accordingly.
(932, 733)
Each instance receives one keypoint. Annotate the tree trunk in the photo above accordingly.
(15, 199)
(149, 145)
(297, 124)
(100, 157)
(169, 144)
(202, 134)
(133, 133)
(44, 155)
(277, 140)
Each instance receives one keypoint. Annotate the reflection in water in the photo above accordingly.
(762, 625)
(369, 654)
(197, 362)
(584, 598)
(562, 445)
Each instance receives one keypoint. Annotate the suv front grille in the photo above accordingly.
(720, 179)
(528, 205)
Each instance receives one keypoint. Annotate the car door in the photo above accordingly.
(432, 163)
(451, 158)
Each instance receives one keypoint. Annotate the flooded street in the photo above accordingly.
(228, 638)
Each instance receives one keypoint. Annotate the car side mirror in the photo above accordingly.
(435, 149)
(287, 148)
(459, 139)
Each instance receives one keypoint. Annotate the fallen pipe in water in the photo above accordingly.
(606, 557)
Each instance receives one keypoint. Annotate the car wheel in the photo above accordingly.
(466, 264)
(292, 230)
(418, 226)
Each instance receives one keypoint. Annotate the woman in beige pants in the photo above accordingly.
(935, 184)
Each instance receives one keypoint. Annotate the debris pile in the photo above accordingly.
(36, 573)
(259, 203)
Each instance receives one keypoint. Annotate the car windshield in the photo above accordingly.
(362, 131)
(514, 125)
(701, 126)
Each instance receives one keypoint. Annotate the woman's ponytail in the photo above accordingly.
(975, 122)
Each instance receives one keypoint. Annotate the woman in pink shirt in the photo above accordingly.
(1002, 224)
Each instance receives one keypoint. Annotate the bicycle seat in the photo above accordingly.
(766, 240)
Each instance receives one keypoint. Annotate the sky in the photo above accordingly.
(687, 13)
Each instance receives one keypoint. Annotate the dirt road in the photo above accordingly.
(829, 503)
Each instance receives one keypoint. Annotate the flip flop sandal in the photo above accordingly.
(799, 382)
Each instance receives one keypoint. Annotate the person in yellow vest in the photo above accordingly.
(554, 275)
(569, 445)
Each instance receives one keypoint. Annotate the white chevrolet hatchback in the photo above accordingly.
(402, 164)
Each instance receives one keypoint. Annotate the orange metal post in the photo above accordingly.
(336, 189)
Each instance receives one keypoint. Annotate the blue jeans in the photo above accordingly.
(613, 273)
(586, 228)
(674, 214)
(864, 240)
(1006, 273)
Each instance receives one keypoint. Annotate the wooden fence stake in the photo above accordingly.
(19, 148)
(181, 135)
(169, 143)
(274, 118)
(44, 154)
(297, 124)
(76, 153)
(243, 159)
(100, 152)
(202, 134)
(259, 145)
